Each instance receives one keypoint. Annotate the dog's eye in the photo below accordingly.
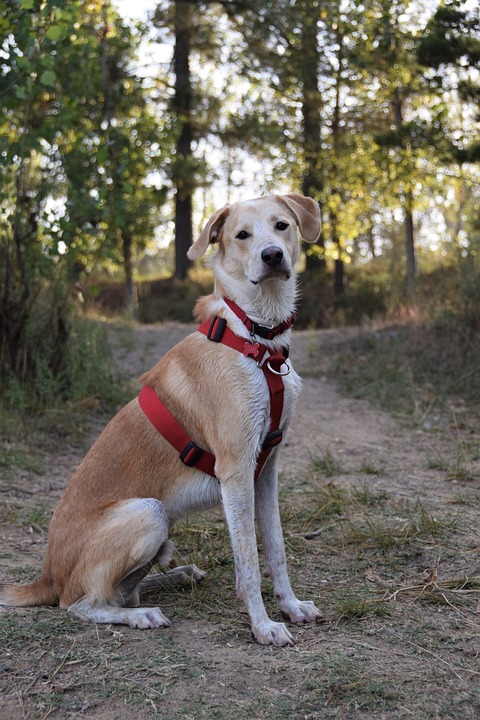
(281, 225)
(242, 235)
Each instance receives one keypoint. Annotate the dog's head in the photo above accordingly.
(257, 239)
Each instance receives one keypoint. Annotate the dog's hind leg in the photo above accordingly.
(184, 575)
(137, 582)
(132, 536)
(127, 592)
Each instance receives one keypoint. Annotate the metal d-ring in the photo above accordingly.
(276, 372)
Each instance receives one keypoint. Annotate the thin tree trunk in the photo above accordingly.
(339, 279)
(410, 246)
(410, 252)
(371, 241)
(130, 287)
(182, 104)
(339, 274)
(312, 183)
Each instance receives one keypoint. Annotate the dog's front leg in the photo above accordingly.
(268, 518)
(238, 501)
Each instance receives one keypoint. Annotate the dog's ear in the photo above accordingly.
(306, 212)
(209, 234)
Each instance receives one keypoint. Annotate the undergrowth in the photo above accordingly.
(39, 411)
(159, 300)
(412, 369)
(87, 372)
(33, 408)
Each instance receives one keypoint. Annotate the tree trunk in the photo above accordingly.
(182, 105)
(130, 287)
(312, 183)
(371, 241)
(397, 107)
(339, 279)
(17, 305)
(339, 274)
(410, 247)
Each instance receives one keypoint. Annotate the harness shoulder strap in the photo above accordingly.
(168, 426)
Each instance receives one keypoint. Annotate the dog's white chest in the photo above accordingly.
(260, 400)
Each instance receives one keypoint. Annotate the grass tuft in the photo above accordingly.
(326, 464)
(356, 604)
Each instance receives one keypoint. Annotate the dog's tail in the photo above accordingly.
(40, 592)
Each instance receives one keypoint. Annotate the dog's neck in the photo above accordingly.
(268, 303)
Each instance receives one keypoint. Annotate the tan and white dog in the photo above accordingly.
(112, 523)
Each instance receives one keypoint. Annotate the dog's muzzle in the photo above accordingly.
(274, 264)
(272, 256)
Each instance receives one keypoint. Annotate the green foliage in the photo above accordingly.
(77, 145)
(86, 373)
(450, 37)
(367, 296)
(315, 303)
(369, 108)
(362, 126)
(452, 40)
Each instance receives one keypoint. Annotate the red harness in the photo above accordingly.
(218, 331)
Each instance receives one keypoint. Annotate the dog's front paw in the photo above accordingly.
(272, 633)
(147, 618)
(301, 611)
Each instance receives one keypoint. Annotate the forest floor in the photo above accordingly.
(380, 517)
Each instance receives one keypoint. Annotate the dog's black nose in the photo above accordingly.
(272, 255)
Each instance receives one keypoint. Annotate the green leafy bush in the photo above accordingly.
(71, 368)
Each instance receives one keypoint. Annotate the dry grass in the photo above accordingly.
(392, 629)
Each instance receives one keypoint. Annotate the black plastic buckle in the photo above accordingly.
(216, 329)
(264, 332)
(272, 439)
(191, 454)
(270, 333)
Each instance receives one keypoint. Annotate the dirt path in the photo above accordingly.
(351, 475)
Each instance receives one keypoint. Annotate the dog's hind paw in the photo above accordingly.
(147, 618)
(301, 611)
(186, 574)
(272, 633)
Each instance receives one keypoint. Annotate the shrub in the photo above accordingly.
(80, 368)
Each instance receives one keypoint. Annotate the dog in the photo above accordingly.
(111, 525)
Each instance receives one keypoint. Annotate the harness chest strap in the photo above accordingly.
(217, 330)
(167, 425)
